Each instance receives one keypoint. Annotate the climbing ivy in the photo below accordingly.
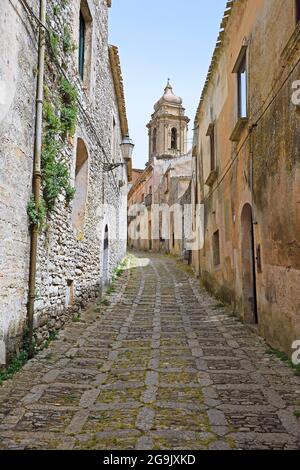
(36, 217)
(58, 125)
(59, 116)
(69, 106)
(54, 42)
(18, 360)
(67, 43)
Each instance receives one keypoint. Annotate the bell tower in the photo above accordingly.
(168, 127)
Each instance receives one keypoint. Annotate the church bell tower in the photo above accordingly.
(168, 127)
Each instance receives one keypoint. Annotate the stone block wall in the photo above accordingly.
(70, 260)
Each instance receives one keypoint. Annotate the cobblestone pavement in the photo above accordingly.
(162, 367)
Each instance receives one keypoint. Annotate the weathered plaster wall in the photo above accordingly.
(266, 27)
(277, 174)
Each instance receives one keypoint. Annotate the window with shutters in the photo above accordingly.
(81, 48)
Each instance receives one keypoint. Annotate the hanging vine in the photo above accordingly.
(59, 116)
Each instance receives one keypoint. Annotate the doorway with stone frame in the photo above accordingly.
(248, 266)
(105, 265)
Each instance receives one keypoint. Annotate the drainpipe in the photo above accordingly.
(36, 183)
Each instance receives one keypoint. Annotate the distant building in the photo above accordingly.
(164, 183)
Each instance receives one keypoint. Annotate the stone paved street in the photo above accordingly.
(163, 366)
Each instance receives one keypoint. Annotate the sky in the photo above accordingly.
(157, 40)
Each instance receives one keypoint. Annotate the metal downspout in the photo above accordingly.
(36, 183)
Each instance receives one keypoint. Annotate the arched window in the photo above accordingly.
(81, 185)
(174, 138)
(154, 140)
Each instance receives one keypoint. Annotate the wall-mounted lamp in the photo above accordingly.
(127, 147)
(112, 166)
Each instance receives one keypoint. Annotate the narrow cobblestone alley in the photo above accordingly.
(161, 366)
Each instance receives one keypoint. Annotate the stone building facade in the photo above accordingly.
(247, 168)
(84, 239)
(165, 182)
(139, 210)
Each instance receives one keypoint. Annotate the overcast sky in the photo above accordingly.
(160, 39)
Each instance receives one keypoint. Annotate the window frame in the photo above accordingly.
(114, 139)
(241, 69)
(243, 90)
(85, 44)
(154, 140)
(212, 145)
(81, 45)
(216, 249)
(174, 138)
(297, 11)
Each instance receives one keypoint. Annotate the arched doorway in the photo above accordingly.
(105, 257)
(150, 234)
(248, 266)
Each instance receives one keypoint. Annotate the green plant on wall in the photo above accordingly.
(54, 42)
(60, 116)
(68, 45)
(55, 173)
(36, 217)
(69, 106)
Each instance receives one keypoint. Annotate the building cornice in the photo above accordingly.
(169, 117)
(109, 3)
(217, 52)
(119, 87)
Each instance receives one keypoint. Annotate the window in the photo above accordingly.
(81, 185)
(113, 139)
(242, 89)
(211, 134)
(297, 11)
(216, 248)
(241, 70)
(70, 293)
(154, 140)
(81, 48)
(84, 42)
(174, 138)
